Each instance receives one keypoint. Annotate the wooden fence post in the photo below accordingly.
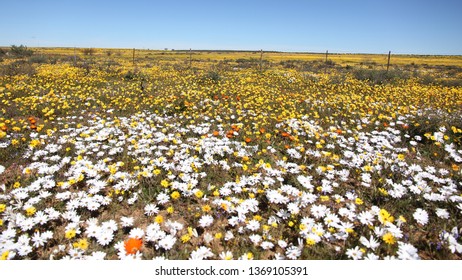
(388, 63)
(261, 59)
(190, 58)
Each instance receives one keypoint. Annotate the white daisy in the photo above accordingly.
(201, 253)
(205, 221)
(421, 216)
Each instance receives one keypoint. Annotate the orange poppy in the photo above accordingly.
(248, 140)
(216, 133)
(133, 245)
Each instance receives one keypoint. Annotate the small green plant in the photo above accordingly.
(20, 51)
(88, 51)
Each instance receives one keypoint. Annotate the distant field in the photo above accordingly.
(229, 155)
(343, 59)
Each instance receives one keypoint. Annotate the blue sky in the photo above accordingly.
(415, 27)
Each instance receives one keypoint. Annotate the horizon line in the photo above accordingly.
(235, 50)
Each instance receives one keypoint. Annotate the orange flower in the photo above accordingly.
(285, 134)
(133, 245)
(262, 130)
(248, 140)
(32, 120)
(216, 133)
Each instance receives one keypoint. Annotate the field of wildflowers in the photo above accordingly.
(102, 160)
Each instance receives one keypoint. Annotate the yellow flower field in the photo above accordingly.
(104, 159)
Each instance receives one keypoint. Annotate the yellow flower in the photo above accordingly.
(385, 217)
(359, 201)
(70, 234)
(310, 241)
(185, 238)
(170, 209)
(30, 211)
(199, 194)
(159, 219)
(383, 191)
(164, 183)
(34, 143)
(402, 219)
(175, 195)
(206, 208)
(389, 238)
(81, 244)
(2, 207)
(4, 255)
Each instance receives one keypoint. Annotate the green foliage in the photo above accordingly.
(381, 76)
(20, 51)
(18, 67)
(88, 51)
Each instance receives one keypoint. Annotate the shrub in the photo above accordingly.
(88, 51)
(380, 76)
(20, 51)
(18, 67)
(38, 59)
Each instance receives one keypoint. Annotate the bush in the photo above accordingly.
(38, 59)
(380, 76)
(20, 51)
(89, 51)
(18, 67)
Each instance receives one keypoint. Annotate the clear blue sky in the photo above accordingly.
(419, 27)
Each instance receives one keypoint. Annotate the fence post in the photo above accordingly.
(261, 59)
(388, 63)
(327, 53)
(133, 56)
(190, 58)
